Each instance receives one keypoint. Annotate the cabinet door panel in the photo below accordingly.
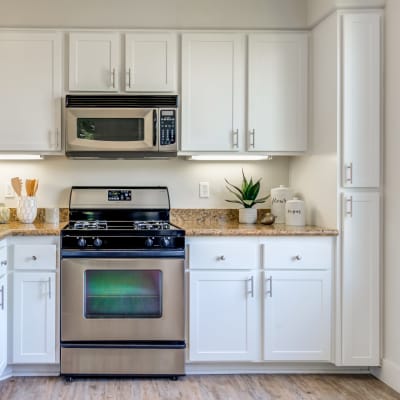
(94, 62)
(212, 91)
(34, 317)
(361, 110)
(150, 62)
(30, 87)
(297, 316)
(360, 277)
(223, 316)
(277, 92)
(3, 323)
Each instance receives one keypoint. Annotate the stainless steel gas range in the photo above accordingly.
(122, 284)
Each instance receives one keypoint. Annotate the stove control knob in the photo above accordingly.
(81, 242)
(165, 241)
(149, 242)
(97, 242)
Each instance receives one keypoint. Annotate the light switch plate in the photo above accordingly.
(204, 190)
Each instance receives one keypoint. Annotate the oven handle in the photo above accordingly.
(154, 128)
(123, 254)
(123, 345)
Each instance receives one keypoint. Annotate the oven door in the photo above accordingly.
(122, 299)
(111, 129)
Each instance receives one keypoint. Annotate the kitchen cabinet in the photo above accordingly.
(223, 305)
(360, 276)
(361, 81)
(150, 62)
(30, 91)
(297, 299)
(34, 303)
(3, 307)
(214, 92)
(94, 61)
(277, 92)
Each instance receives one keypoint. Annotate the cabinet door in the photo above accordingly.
(30, 91)
(3, 322)
(212, 91)
(34, 315)
(223, 316)
(94, 62)
(361, 110)
(297, 316)
(277, 92)
(150, 62)
(360, 279)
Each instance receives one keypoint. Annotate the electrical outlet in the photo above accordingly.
(8, 191)
(204, 190)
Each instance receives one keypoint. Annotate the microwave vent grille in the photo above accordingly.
(121, 101)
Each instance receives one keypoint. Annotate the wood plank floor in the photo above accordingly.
(202, 387)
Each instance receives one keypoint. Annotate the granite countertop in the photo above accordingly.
(15, 228)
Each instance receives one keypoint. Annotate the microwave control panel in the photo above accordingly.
(167, 127)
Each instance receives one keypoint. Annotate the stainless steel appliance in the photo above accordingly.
(122, 284)
(121, 126)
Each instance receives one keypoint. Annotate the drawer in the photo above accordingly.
(298, 253)
(223, 254)
(35, 256)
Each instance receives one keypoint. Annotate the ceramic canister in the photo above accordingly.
(295, 212)
(4, 214)
(279, 197)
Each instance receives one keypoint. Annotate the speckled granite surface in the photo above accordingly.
(224, 222)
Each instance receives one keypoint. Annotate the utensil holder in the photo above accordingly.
(26, 209)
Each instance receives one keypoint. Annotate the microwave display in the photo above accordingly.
(111, 129)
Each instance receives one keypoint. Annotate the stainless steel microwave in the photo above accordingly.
(118, 126)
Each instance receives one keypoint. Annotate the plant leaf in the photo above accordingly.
(235, 187)
(240, 197)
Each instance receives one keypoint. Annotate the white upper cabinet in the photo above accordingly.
(150, 62)
(361, 96)
(94, 62)
(212, 91)
(30, 91)
(277, 92)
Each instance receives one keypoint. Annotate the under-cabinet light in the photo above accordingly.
(229, 157)
(21, 157)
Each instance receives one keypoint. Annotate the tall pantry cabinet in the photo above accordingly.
(360, 111)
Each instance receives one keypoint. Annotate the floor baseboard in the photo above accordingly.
(388, 373)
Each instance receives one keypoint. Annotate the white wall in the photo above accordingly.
(390, 371)
(153, 13)
(314, 177)
(57, 175)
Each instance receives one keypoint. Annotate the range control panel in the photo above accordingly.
(167, 127)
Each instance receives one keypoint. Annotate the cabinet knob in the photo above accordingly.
(34, 258)
(297, 257)
(3, 262)
(221, 258)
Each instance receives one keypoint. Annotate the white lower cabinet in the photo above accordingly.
(223, 316)
(297, 323)
(3, 307)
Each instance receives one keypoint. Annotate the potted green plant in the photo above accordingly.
(247, 196)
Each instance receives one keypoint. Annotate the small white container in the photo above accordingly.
(4, 214)
(247, 215)
(52, 215)
(26, 209)
(279, 196)
(295, 212)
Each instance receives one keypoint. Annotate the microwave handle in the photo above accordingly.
(154, 128)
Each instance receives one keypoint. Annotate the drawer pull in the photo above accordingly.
(3, 262)
(34, 258)
(221, 258)
(251, 291)
(297, 257)
(269, 290)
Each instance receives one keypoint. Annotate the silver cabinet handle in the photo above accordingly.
(49, 287)
(113, 78)
(297, 257)
(349, 206)
(349, 173)
(268, 292)
(2, 297)
(221, 258)
(235, 138)
(251, 291)
(130, 77)
(57, 138)
(3, 262)
(34, 258)
(252, 138)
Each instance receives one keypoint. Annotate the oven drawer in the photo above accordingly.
(35, 256)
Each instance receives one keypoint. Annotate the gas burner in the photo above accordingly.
(151, 225)
(90, 225)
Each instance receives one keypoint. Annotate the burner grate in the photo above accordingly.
(90, 225)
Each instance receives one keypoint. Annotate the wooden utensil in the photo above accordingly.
(31, 186)
(16, 184)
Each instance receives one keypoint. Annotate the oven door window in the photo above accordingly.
(123, 294)
(111, 129)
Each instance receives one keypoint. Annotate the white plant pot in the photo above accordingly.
(247, 215)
